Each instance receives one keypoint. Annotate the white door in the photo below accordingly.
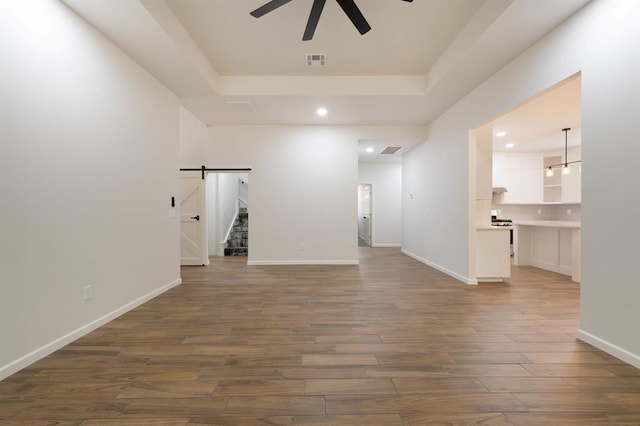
(193, 232)
(364, 214)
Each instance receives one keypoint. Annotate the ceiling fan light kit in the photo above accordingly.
(348, 6)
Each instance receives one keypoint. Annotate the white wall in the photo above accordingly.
(213, 228)
(88, 165)
(601, 41)
(302, 191)
(386, 180)
(435, 201)
(193, 133)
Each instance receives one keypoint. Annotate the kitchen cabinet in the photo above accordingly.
(550, 245)
(561, 188)
(552, 189)
(524, 186)
(572, 184)
(493, 254)
(484, 161)
(498, 170)
(523, 175)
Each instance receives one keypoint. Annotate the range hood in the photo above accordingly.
(499, 189)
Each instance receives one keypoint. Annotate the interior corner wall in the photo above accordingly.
(302, 190)
(600, 41)
(88, 166)
(386, 180)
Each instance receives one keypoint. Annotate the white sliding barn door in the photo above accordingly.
(193, 221)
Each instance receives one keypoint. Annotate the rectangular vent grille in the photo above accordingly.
(316, 59)
(391, 150)
(241, 106)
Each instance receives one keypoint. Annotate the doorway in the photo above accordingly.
(365, 198)
(228, 214)
(529, 171)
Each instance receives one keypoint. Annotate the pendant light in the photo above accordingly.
(549, 172)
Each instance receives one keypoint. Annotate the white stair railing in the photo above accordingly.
(239, 201)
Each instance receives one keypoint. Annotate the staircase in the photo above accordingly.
(238, 242)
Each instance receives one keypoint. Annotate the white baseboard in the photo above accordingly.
(449, 272)
(49, 348)
(387, 245)
(610, 348)
(490, 280)
(559, 269)
(301, 262)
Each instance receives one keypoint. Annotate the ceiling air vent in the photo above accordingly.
(241, 106)
(391, 150)
(316, 59)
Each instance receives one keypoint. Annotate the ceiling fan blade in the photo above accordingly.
(314, 17)
(268, 7)
(355, 15)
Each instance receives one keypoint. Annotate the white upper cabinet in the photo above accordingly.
(572, 185)
(484, 160)
(498, 170)
(523, 175)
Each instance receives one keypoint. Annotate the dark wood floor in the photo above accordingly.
(387, 343)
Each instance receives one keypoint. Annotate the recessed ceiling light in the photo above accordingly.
(510, 145)
(322, 111)
(370, 150)
(501, 134)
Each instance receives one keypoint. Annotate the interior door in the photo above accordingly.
(193, 231)
(364, 215)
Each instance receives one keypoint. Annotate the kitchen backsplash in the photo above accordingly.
(539, 212)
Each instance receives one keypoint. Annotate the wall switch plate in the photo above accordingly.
(87, 292)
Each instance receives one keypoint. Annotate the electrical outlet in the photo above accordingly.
(539, 211)
(301, 247)
(87, 292)
(569, 212)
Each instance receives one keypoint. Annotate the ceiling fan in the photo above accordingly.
(349, 6)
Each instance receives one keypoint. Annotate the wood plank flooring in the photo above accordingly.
(389, 342)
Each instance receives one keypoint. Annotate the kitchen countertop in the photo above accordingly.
(550, 223)
(494, 228)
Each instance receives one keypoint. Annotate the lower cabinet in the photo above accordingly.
(545, 246)
(493, 254)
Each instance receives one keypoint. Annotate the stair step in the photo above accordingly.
(236, 251)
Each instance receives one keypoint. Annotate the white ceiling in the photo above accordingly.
(238, 44)
(537, 125)
(418, 60)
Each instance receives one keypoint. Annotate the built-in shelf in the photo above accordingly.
(552, 185)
